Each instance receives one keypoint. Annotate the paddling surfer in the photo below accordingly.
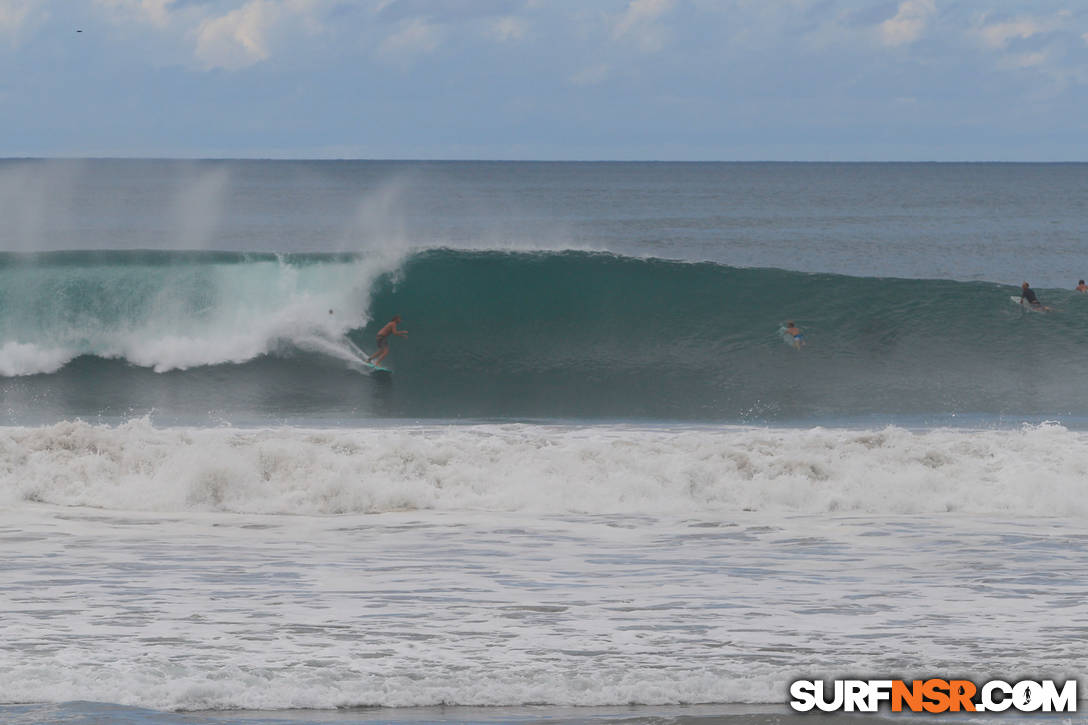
(795, 332)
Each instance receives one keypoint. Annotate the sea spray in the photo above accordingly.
(169, 311)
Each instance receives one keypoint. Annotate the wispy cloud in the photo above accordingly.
(1000, 33)
(771, 69)
(509, 29)
(592, 75)
(232, 37)
(444, 11)
(639, 22)
(414, 38)
(1042, 43)
(237, 39)
(247, 35)
(156, 12)
(909, 22)
(1031, 60)
(13, 14)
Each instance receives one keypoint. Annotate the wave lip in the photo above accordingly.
(176, 311)
(17, 358)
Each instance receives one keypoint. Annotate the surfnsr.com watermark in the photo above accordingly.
(933, 695)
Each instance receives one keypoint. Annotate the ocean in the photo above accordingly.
(599, 484)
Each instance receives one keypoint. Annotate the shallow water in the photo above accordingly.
(192, 611)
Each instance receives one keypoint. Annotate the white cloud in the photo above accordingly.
(639, 22)
(416, 37)
(231, 40)
(998, 35)
(509, 28)
(909, 22)
(238, 39)
(245, 36)
(13, 14)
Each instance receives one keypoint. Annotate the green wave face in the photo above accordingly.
(530, 335)
(575, 334)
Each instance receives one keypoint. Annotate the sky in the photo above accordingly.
(700, 80)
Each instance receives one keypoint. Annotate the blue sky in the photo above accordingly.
(542, 79)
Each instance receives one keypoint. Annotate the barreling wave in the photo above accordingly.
(528, 335)
(175, 310)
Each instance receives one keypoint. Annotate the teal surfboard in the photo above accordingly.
(375, 368)
(369, 365)
(361, 354)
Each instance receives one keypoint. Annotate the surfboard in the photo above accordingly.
(372, 366)
(369, 365)
(1018, 301)
(789, 339)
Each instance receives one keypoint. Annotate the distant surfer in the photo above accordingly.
(795, 332)
(1027, 293)
(384, 334)
(1081, 287)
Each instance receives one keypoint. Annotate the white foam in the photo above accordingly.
(714, 565)
(201, 611)
(18, 358)
(249, 310)
(136, 466)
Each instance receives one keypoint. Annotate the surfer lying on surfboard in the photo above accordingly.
(1027, 293)
(384, 334)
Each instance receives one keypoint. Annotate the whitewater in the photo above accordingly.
(484, 609)
(546, 469)
(597, 487)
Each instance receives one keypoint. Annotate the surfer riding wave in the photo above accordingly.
(384, 334)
